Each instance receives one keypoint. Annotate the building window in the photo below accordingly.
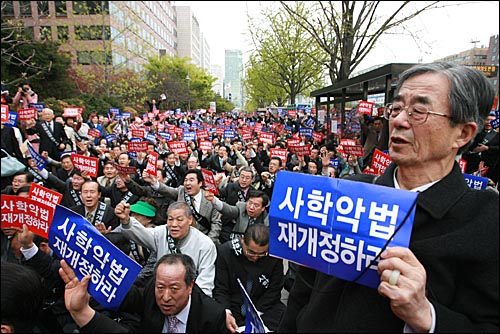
(90, 7)
(25, 8)
(43, 8)
(61, 10)
(62, 33)
(7, 8)
(94, 57)
(45, 33)
(92, 33)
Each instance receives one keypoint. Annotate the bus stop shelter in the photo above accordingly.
(380, 80)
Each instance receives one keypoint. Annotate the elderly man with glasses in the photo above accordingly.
(446, 280)
(261, 275)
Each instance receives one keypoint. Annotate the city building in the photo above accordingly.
(132, 30)
(233, 88)
(190, 40)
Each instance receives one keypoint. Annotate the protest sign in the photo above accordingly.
(338, 226)
(253, 321)
(88, 252)
(17, 210)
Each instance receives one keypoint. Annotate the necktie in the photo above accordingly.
(172, 324)
(193, 200)
(108, 182)
(251, 221)
(89, 217)
(249, 289)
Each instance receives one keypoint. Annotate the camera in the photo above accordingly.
(25, 89)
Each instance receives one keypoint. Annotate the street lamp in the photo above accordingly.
(188, 79)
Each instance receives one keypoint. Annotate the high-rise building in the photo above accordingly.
(131, 31)
(216, 72)
(233, 88)
(190, 39)
(492, 60)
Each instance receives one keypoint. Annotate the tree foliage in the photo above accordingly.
(284, 63)
(184, 84)
(347, 34)
(39, 63)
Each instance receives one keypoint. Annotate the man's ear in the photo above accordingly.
(466, 132)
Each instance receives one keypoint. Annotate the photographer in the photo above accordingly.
(24, 96)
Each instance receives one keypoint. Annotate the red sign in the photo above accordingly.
(138, 133)
(210, 183)
(72, 112)
(365, 107)
(94, 133)
(463, 165)
(380, 161)
(202, 134)
(137, 146)
(292, 113)
(281, 153)
(44, 195)
(26, 114)
(206, 145)
(127, 170)
(17, 210)
(356, 150)
(317, 136)
(152, 165)
(266, 138)
(5, 113)
(292, 141)
(179, 147)
(246, 135)
(300, 149)
(83, 163)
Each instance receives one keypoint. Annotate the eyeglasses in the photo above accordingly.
(252, 253)
(417, 113)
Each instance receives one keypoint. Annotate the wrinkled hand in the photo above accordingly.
(407, 296)
(122, 211)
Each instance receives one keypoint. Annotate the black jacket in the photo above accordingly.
(205, 315)
(455, 237)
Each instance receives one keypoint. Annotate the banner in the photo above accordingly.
(84, 163)
(152, 164)
(476, 182)
(337, 226)
(88, 252)
(253, 321)
(380, 161)
(17, 210)
(179, 147)
(44, 195)
(210, 183)
(26, 114)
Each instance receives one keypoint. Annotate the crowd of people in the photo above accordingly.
(192, 245)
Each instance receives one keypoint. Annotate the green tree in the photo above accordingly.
(184, 84)
(259, 87)
(284, 59)
(347, 34)
(39, 63)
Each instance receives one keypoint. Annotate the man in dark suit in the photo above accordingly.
(247, 258)
(53, 138)
(171, 302)
(92, 209)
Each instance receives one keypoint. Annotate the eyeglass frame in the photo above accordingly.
(411, 120)
(252, 253)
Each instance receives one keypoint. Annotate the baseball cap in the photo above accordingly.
(143, 208)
